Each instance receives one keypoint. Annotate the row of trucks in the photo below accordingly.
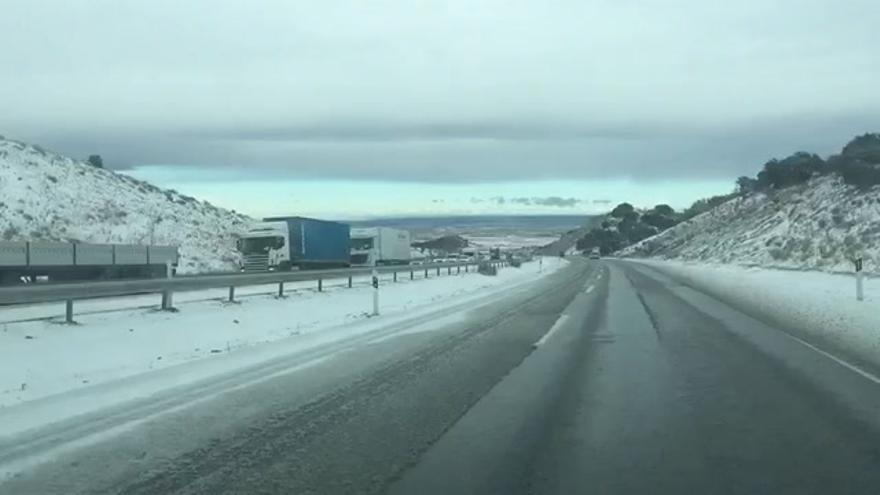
(275, 244)
(285, 243)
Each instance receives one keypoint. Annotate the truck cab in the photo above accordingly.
(265, 247)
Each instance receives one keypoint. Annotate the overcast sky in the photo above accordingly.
(603, 100)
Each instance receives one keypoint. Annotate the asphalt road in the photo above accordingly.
(603, 378)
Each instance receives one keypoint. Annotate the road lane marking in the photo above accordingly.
(590, 289)
(562, 319)
(851, 367)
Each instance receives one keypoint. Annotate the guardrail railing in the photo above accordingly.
(70, 292)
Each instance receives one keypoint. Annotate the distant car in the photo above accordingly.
(594, 254)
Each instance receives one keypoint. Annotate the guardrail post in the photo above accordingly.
(426, 273)
(68, 312)
(349, 281)
(280, 289)
(458, 269)
(232, 294)
(465, 268)
(395, 276)
(449, 270)
(320, 285)
(438, 271)
(412, 274)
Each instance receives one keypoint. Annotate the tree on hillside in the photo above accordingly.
(859, 162)
(657, 220)
(864, 148)
(795, 169)
(621, 210)
(96, 161)
(745, 185)
(607, 241)
(706, 204)
(664, 209)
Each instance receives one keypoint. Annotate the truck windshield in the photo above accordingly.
(260, 245)
(362, 243)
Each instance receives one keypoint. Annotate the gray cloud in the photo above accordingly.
(463, 93)
(556, 201)
(553, 201)
(602, 201)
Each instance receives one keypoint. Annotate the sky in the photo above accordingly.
(359, 109)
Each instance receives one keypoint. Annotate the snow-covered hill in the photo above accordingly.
(819, 225)
(46, 196)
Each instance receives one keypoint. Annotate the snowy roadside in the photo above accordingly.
(818, 307)
(42, 358)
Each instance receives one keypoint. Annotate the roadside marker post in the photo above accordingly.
(375, 293)
(860, 280)
(167, 297)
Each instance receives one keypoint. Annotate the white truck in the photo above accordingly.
(373, 246)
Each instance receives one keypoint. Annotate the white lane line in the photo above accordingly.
(562, 319)
(590, 289)
(851, 367)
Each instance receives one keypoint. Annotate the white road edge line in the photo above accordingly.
(562, 319)
(851, 367)
(590, 289)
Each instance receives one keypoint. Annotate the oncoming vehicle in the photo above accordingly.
(595, 253)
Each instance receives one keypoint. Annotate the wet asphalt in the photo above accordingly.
(644, 386)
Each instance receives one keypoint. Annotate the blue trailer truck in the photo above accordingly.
(282, 243)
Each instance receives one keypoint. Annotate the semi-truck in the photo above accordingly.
(284, 243)
(66, 261)
(373, 246)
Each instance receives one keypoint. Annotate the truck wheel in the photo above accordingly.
(284, 266)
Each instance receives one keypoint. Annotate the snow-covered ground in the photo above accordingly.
(820, 307)
(820, 225)
(43, 357)
(46, 196)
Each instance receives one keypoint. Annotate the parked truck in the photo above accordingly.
(64, 261)
(373, 246)
(283, 243)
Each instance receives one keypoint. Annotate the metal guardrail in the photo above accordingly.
(70, 292)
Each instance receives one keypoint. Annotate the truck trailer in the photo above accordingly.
(282, 243)
(64, 261)
(374, 246)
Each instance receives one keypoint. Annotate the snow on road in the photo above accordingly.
(41, 358)
(820, 307)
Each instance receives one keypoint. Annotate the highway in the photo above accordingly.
(606, 377)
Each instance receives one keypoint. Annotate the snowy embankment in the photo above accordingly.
(45, 196)
(820, 308)
(820, 225)
(43, 357)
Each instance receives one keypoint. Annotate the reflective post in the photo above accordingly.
(375, 292)
(167, 295)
